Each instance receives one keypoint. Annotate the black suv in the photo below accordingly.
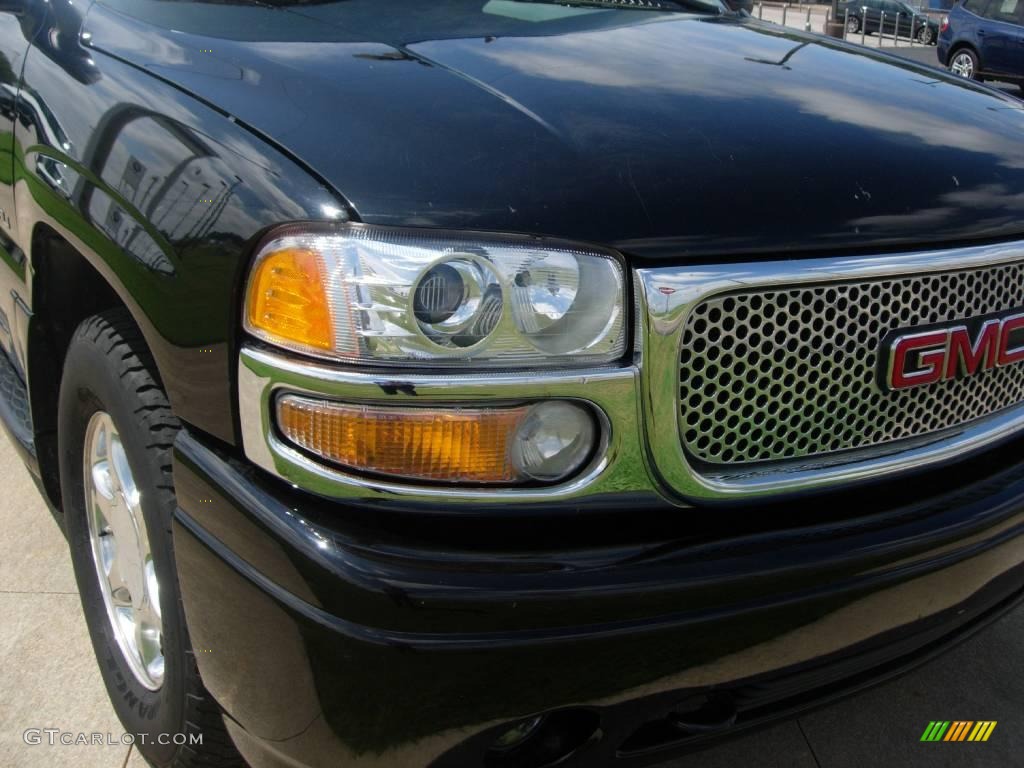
(505, 384)
(888, 17)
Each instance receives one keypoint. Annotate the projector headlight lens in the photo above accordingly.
(365, 294)
(458, 303)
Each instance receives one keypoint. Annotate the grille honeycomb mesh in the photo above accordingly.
(788, 372)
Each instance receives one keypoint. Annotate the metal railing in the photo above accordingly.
(882, 31)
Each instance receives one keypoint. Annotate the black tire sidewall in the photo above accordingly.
(90, 384)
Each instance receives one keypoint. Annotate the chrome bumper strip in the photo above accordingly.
(619, 465)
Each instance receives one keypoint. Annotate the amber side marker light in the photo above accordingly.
(544, 442)
(287, 300)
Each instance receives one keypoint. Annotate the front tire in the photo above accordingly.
(925, 35)
(115, 432)
(964, 62)
(852, 25)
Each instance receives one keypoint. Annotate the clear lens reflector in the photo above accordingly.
(417, 297)
(552, 441)
(546, 442)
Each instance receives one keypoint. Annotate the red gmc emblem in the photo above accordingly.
(913, 357)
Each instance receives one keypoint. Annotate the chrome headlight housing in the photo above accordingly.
(376, 295)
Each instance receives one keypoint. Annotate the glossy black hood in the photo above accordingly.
(668, 135)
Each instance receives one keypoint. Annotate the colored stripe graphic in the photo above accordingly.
(986, 731)
(935, 730)
(958, 730)
(957, 724)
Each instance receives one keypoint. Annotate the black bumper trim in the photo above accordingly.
(364, 627)
(481, 640)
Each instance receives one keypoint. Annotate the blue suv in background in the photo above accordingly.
(984, 40)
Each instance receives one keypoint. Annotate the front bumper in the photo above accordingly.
(770, 365)
(349, 635)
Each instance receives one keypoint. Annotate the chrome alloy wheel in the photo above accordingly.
(962, 65)
(121, 551)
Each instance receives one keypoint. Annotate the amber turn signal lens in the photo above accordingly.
(455, 445)
(287, 302)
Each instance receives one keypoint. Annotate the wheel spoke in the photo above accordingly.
(123, 471)
(138, 636)
(121, 596)
(153, 589)
(149, 639)
(115, 574)
(103, 479)
(148, 617)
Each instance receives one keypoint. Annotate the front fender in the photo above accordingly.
(164, 196)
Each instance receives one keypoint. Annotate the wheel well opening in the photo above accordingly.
(962, 46)
(66, 289)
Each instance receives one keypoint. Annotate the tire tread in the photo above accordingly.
(116, 334)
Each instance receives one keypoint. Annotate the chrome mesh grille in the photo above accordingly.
(787, 372)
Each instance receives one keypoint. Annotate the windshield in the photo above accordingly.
(399, 22)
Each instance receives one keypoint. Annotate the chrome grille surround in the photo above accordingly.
(846, 428)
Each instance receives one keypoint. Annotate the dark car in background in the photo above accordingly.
(888, 17)
(984, 40)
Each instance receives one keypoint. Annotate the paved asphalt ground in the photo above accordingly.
(48, 677)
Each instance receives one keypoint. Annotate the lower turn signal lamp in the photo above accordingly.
(544, 442)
